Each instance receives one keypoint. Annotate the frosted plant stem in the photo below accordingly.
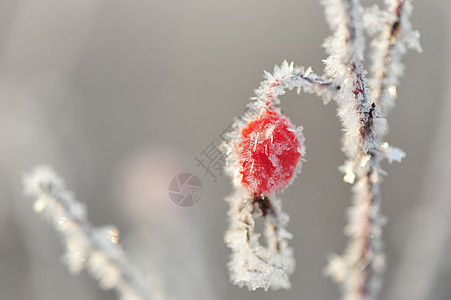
(252, 264)
(362, 248)
(359, 269)
(95, 249)
(382, 85)
(314, 84)
(287, 76)
(362, 111)
(389, 45)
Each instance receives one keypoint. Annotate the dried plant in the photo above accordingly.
(363, 106)
(264, 154)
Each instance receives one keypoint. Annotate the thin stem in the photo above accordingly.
(253, 264)
(360, 119)
(368, 194)
(96, 249)
(389, 45)
(389, 38)
(322, 86)
(289, 77)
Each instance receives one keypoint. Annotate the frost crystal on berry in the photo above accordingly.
(269, 150)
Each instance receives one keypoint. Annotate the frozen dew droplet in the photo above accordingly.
(113, 235)
(392, 91)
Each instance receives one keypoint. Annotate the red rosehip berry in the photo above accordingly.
(269, 151)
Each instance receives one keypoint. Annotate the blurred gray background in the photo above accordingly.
(119, 96)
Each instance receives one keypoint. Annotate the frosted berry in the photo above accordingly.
(269, 151)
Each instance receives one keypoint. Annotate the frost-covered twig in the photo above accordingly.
(287, 76)
(95, 249)
(359, 269)
(322, 86)
(362, 112)
(361, 262)
(251, 264)
(393, 36)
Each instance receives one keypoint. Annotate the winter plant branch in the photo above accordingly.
(264, 148)
(359, 269)
(264, 153)
(95, 249)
